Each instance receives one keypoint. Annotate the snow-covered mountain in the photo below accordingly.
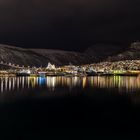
(40, 57)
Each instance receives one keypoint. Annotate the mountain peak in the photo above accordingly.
(135, 45)
(40, 57)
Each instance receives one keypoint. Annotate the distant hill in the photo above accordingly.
(40, 57)
(131, 53)
(103, 51)
(95, 53)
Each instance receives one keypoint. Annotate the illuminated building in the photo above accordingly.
(50, 66)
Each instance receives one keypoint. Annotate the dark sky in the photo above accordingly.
(68, 24)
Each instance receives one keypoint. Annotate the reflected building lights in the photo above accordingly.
(22, 83)
(17, 83)
(53, 82)
(13, 83)
(28, 82)
(128, 84)
(84, 82)
(2, 86)
(6, 82)
(10, 82)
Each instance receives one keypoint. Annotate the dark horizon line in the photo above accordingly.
(78, 49)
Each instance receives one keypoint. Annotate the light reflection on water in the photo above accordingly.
(125, 84)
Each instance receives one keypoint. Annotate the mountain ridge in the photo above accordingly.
(130, 53)
(102, 51)
(94, 54)
(40, 57)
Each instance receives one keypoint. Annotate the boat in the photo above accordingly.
(126, 74)
(105, 74)
(33, 75)
(42, 74)
(82, 74)
(70, 75)
(23, 73)
(55, 74)
(91, 73)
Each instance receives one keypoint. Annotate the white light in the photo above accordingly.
(28, 71)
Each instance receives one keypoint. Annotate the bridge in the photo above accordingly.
(10, 65)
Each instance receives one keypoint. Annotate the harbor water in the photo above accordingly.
(103, 103)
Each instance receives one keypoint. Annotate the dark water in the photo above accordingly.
(106, 105)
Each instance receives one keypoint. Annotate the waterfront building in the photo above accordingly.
(50, 66)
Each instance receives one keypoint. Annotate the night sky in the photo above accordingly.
(68, 24)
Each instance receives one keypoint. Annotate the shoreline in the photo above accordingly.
(70, 75)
